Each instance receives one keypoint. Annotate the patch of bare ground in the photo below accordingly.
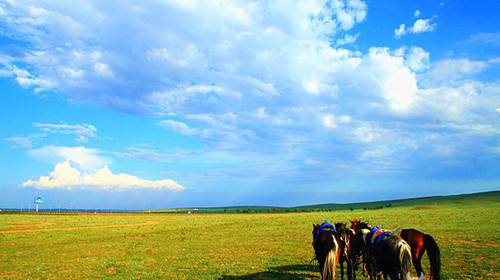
(27, 229)
(25, 225)
(478, 243)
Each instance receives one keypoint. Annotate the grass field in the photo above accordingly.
(244, 246)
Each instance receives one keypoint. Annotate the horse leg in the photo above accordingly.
(371, 270)
(416, 258)
(364, 268)
(418, 268)
(354, 267)
(321, 265)
(349, 270)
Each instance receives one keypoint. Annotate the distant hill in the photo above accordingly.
(461, 199)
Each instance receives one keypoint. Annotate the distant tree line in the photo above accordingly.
(377, 207)
(298, 210)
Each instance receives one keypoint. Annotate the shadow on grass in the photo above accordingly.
(287, 272)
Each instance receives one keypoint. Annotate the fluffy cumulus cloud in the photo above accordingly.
(267, 78)
(453, 69)
(420, 26)
(65, 176)
(84, 158)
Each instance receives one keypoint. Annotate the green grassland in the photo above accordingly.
(452, 199)
(236, 246)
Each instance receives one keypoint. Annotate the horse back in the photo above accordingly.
(415, 239)
(324, 242)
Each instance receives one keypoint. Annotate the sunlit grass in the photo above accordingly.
(247, 246)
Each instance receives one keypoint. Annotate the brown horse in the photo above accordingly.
(348, 252)
(385, 253)
(419, 243)
(326, 246)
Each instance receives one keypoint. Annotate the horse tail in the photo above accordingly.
(434, 256)
(331, 260)
(405, 260)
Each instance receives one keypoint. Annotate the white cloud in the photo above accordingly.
(423, 25)
(469, 104)
(85, 158)
(146, 153)
(239, 46)
(65, 176)
(495, 60)
(348, 39)
(82, 131)
(486, 38)
(181, 127)
(400, 31)
(349, 12)
(418, 59)
(367, 133)
(257, 78)
(329, 121)
(420, 26)
(25, 78)
(330, 17)
(312, 85)
(448, 69)
(102, 69)
(332, 121)
(25, 142)
(396, 82)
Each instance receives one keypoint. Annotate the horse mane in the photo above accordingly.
(341, 227)
(358, 224)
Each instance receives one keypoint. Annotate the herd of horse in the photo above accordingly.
(380, 252)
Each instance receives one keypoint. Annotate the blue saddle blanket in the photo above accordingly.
(375, 236)
(323, 227)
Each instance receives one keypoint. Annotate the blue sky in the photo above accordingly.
(162, 104)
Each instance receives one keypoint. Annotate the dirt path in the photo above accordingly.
(24, 225)
(18, 229)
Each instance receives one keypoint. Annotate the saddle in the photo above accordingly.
(322, 228)
(398, 231)
(375, 236)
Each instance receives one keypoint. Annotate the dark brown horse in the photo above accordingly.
(348, 254)
(419, 243)
(326, 244)
(385, 253)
